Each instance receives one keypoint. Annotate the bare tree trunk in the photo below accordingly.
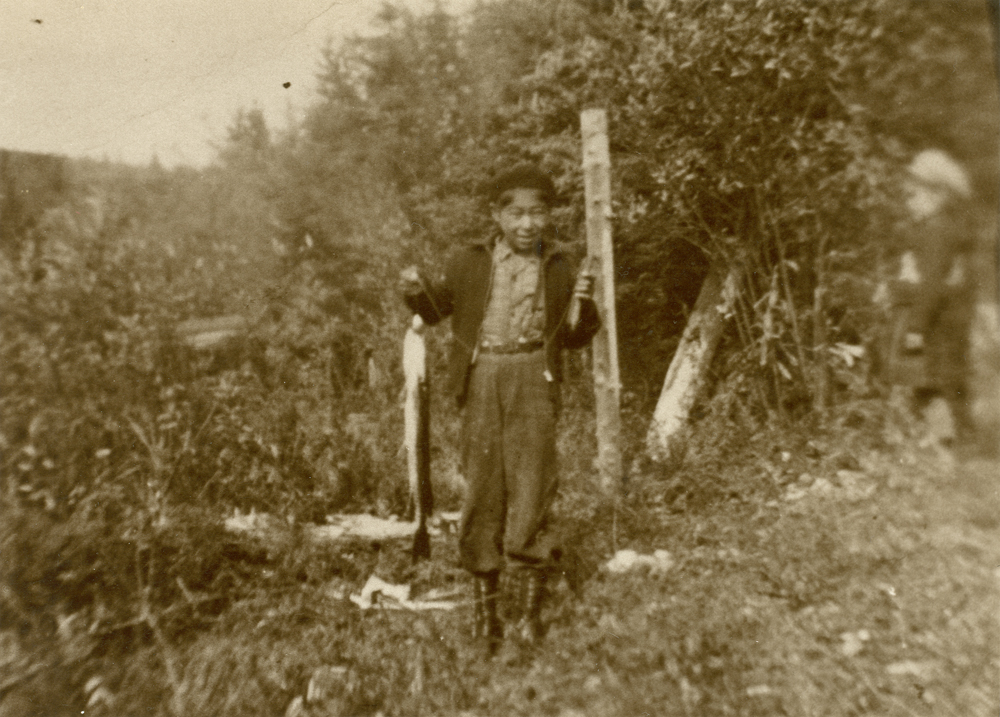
(607, 383)
(689, 367)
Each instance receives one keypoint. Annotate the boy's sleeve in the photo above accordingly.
(435, 302)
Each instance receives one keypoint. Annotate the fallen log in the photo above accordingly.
(338, 527)
(204, 334)
(688, 370)
(220, 343)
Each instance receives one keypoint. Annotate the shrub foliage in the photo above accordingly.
(763, 137)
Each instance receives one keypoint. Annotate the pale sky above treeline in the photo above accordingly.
(127, 80)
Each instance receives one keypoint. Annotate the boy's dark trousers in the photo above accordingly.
(509, 461)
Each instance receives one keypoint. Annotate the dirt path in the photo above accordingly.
(865, 592)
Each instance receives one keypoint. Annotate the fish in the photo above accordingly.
(417, 435)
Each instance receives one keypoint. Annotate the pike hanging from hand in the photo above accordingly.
(416, 415)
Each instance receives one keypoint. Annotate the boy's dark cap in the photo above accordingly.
(521, 176)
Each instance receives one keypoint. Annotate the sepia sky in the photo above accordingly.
(127, 79)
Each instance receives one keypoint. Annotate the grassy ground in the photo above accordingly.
(831, 582)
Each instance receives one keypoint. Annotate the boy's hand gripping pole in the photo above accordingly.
(587, 271)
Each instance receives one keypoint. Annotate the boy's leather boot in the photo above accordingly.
(485, 623)
(532, 591)
(527, 587)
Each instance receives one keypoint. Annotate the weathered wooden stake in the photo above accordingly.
(607, 383)
(689, 367)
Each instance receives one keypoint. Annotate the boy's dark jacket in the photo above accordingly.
(463, 291)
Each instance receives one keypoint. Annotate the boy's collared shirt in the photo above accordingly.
(515, 312)
(462, 293)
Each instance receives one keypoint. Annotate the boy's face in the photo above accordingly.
(523, 219)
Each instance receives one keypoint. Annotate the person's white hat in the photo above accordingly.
(937, 169)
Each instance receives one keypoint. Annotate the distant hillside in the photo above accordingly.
(30, 183)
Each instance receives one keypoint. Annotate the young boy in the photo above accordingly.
(934, 296)
(509, 296)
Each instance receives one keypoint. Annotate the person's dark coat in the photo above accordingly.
(939, 306)
(464, 289)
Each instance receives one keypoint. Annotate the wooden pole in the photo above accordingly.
(607, 382)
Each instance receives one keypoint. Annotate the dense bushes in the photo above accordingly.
(761, 136)
(124, 448)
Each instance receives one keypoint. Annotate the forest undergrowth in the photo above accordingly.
(181, 346)
(842, 571)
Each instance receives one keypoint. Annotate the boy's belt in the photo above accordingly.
(512, 347)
